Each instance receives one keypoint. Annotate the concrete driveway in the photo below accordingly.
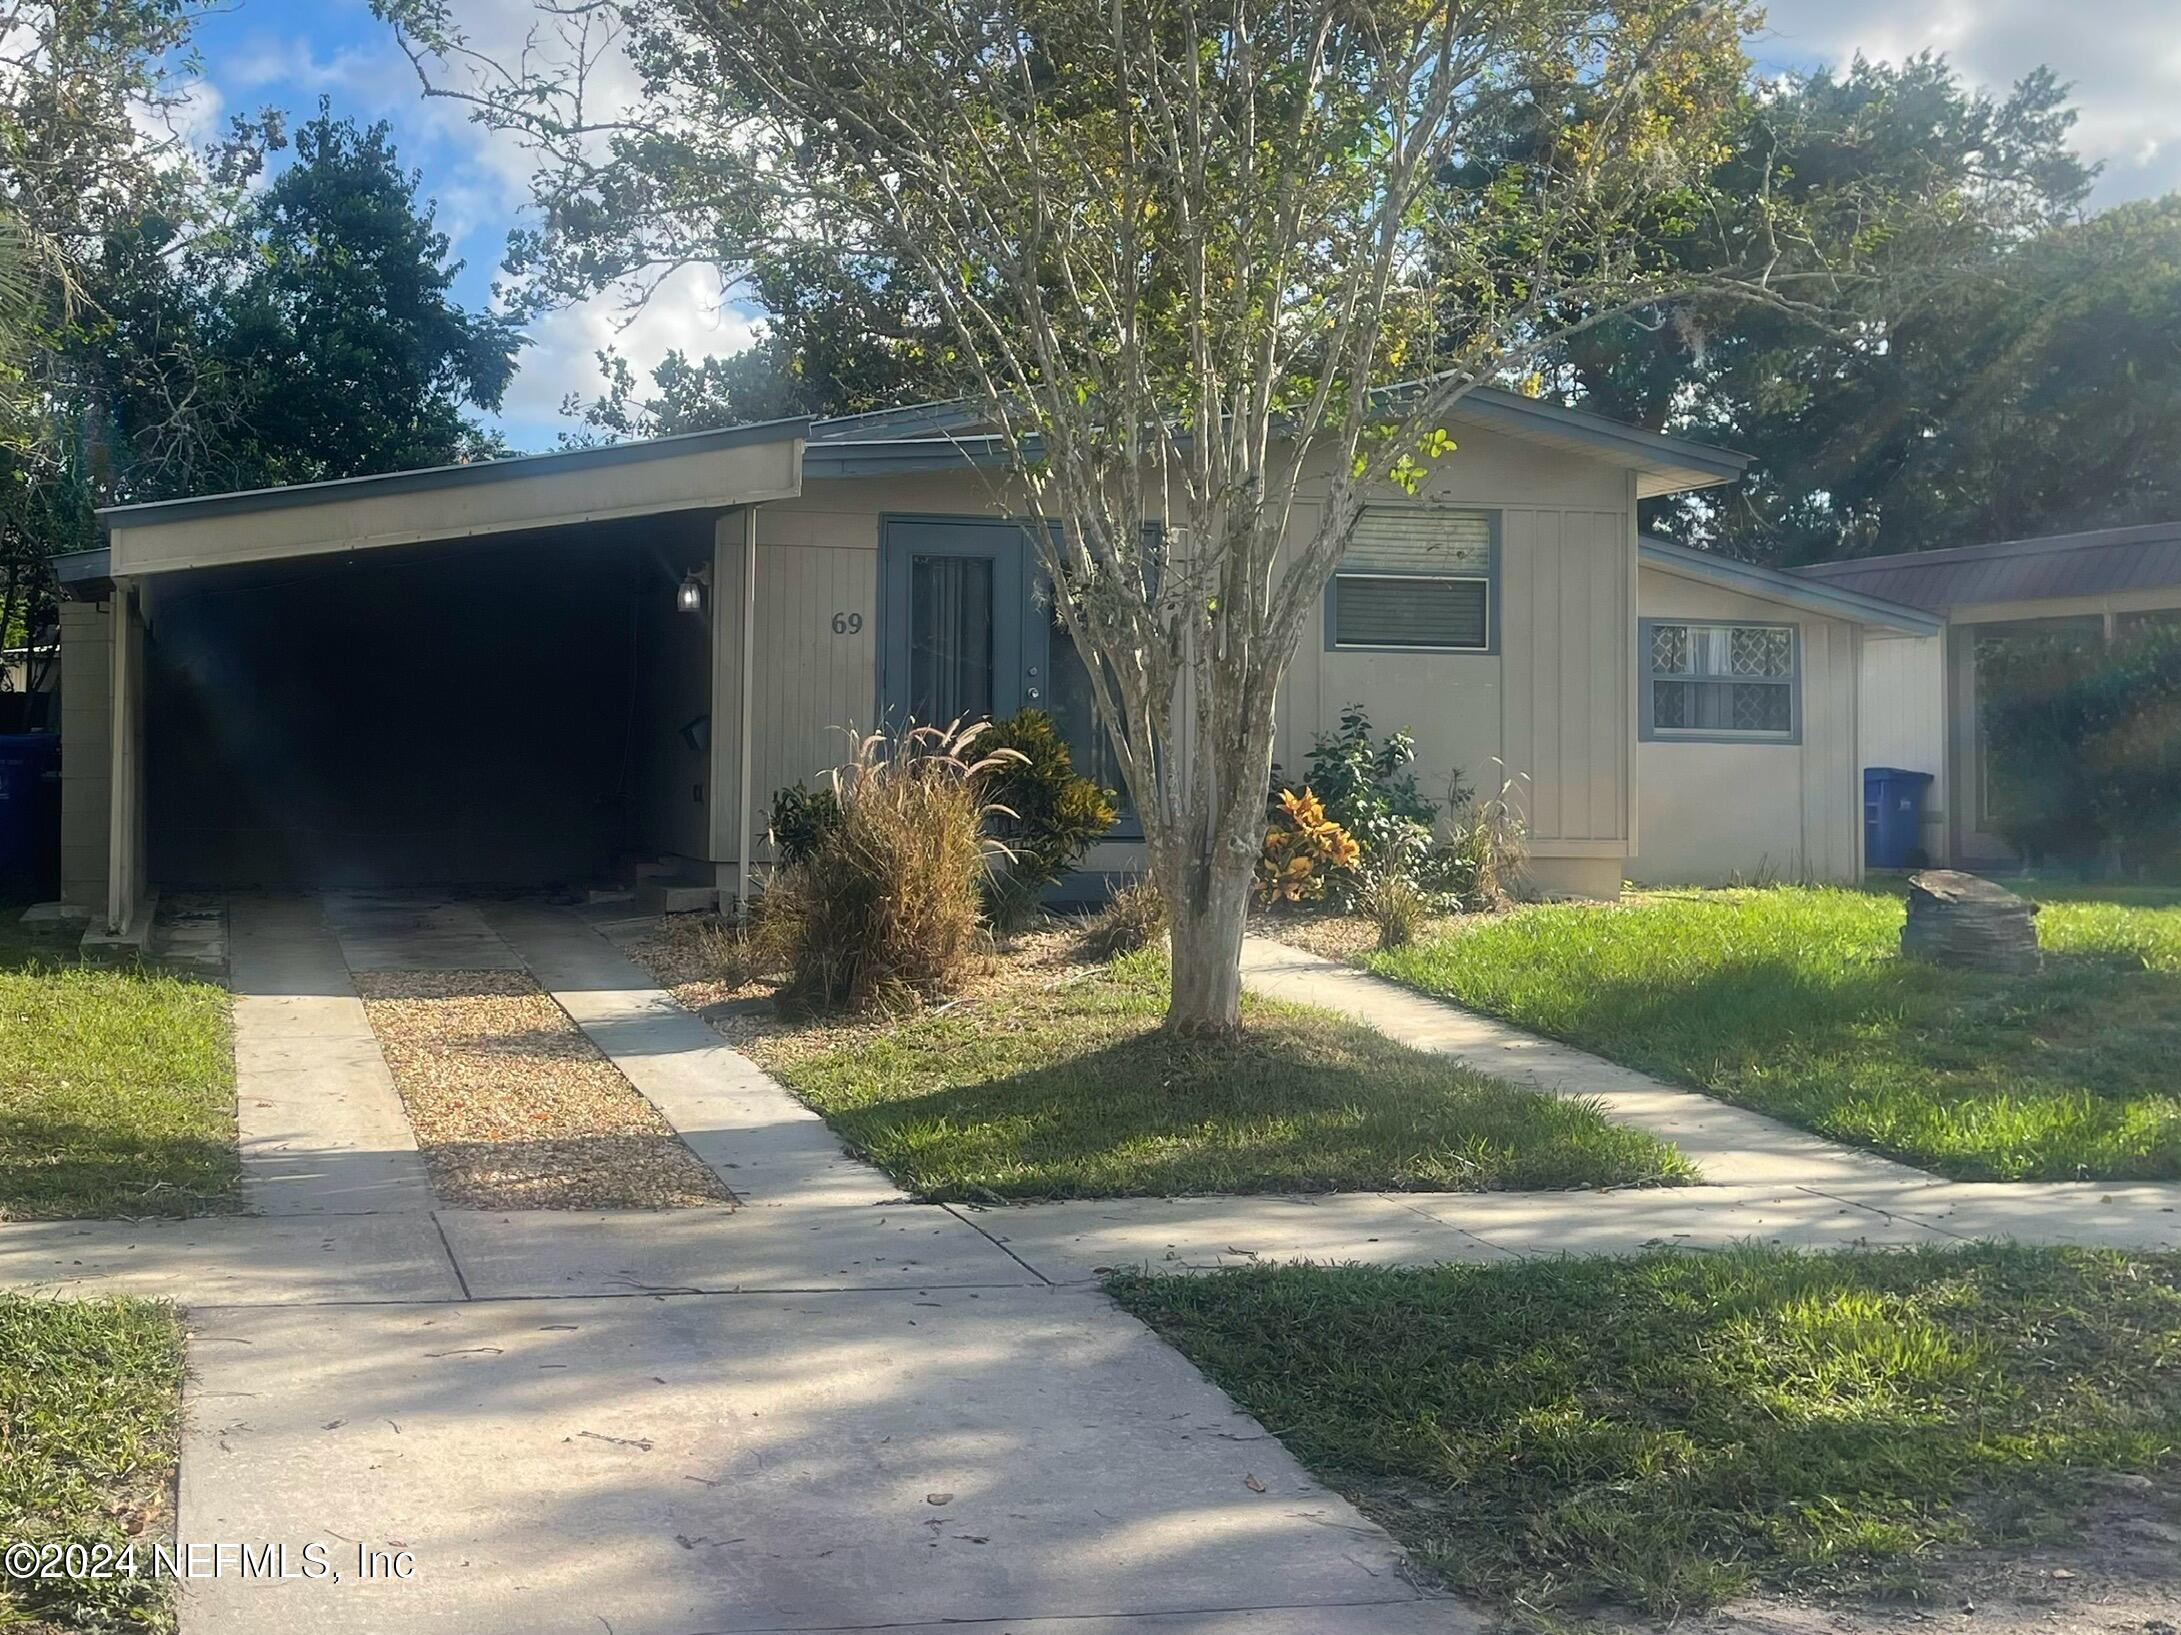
(823, 1409)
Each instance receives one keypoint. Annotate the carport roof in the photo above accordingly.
(694, 471)
(425, 478)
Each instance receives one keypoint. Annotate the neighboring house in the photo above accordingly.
(518, 672)
(2094, 586)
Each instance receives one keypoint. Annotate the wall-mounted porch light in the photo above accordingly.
(689, 594)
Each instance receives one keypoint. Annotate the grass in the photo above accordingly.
(1794, 1001)
(117, 1086)
(90, 1422)
(1065, 1089)
(1671, 1431)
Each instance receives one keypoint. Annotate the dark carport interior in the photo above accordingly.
(517, 710)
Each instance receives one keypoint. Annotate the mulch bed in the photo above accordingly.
(514, 1108)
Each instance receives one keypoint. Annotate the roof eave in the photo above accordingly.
(1774, 585)
(150, 513)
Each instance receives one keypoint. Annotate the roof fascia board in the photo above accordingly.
(1687, 464)
(559, 461)
(2043, 544)
(704, 477)
(1775, 585)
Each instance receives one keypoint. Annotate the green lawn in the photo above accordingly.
(1066, 1090)
(117, 1086)
(90, 1422)
(1794, 1001)
(1670, 1431)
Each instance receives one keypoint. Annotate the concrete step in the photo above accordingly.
(664, 897)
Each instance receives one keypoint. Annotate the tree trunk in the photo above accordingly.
(1205, 999)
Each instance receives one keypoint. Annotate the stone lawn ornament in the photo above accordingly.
(1961, 920)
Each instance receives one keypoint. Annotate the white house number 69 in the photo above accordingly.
(847, 624)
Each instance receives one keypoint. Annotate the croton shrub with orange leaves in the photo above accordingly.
(1303, 849)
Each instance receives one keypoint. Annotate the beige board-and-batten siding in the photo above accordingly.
(1552, 705)
(1711, 813)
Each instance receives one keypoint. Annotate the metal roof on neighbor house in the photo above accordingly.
(1774, 585)
(2102, 563)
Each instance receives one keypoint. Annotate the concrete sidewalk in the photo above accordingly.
(1730, 1145)
(321, 1126)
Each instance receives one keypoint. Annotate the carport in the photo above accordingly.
(500, 674)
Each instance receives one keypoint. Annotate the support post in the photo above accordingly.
(749, 675)
(122, 885)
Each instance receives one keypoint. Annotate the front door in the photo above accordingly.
(954, 622)
(966, 632)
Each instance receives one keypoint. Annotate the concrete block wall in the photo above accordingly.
(87, 681)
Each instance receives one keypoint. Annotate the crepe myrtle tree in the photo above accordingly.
(1187, 254)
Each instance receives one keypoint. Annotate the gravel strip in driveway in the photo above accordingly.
(514, 1108)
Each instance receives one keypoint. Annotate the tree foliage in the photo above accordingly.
(2083, 744)
(2036, 388)
(190, 332)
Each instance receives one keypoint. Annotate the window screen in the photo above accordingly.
(1720, 680)
(1415, 577)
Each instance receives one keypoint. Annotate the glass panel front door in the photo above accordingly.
(965, 633)
(952, 616)
(950, 638)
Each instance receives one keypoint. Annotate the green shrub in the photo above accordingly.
(1369, 788)
(1134, 918)
(801, 818)
(2083, 748)
(1045, 815)
(884, 910)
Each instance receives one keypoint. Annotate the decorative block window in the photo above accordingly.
(1416, 577)
(1731, 682)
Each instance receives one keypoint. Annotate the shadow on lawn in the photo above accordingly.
(55, 1169)
(1669, 1430)
(1302, 1107)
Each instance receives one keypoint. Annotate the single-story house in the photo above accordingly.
(523, 671)
(2096, 586)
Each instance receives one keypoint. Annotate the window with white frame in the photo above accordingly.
(1720, 681)
(1416, 577)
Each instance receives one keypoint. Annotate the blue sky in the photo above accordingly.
(2123, 56)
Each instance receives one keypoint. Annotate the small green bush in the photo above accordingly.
(2083, 748)
(1396, 905)
(1037, 807)
(1369, 788)
(884, 911)
(801, 819)
(1134, 918)
(1485, 863)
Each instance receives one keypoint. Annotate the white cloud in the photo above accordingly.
(684, 314)
(2123, 58)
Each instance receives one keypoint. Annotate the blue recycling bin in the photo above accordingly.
(29, 807)
(1893, 816)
